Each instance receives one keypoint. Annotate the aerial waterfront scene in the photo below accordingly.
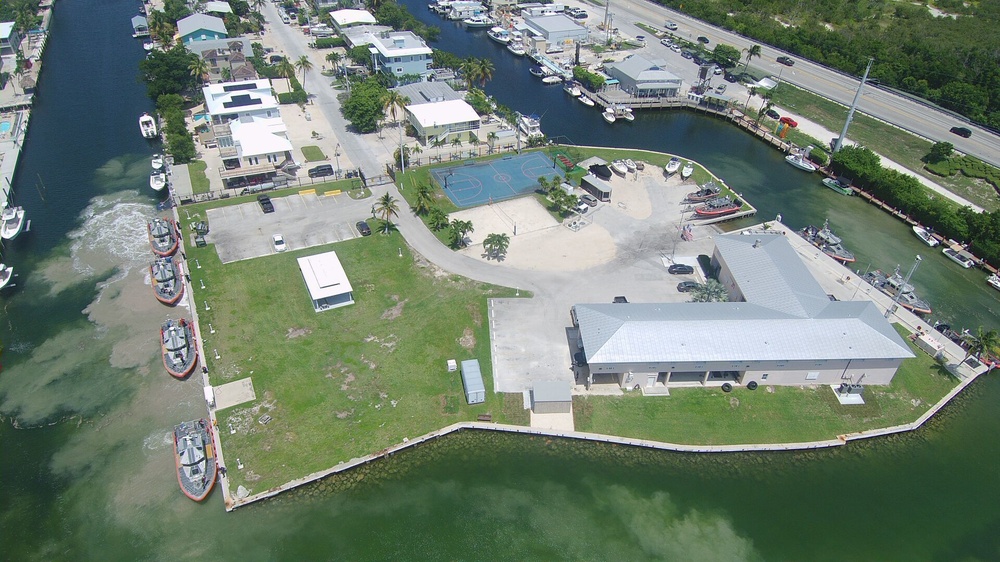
(639, 326)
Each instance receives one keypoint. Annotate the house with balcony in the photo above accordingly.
(10, 39)
(397, 53)
(200, 27)
(443, 121)
(347, 19)
(643, 78)
(226, 57)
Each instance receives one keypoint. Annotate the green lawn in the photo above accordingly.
(701, 416)
(199, 181)
(313, 154)
(891, 142)
(346, 382)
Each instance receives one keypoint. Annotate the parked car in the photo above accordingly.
(720, 89)
(680, 269)
(703, 39)
(321, 171)
(620, 300)
(279, 243)
(582, 207)
(730, 77)
(717, 70)
(670, 25)
(962, 131)
(687, 286)
(589, 199)
(675, 48)
(772, 114)
(363, 228)
(265, 203)
(666, 42)
(789, 121)
(786, 61)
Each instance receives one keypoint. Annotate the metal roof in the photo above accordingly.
(324, 275)
(641, 69)
(551, 391)
(428, 92)
(554, 24)
(196, 22)
(443, 113)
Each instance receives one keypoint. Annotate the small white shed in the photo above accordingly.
(472, 380)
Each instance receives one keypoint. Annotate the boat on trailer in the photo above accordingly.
(672, 166)
(718, 207)
(687, 170)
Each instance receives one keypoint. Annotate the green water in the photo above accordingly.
(85, 461)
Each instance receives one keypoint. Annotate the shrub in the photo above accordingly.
(330, 42)
(294, 97)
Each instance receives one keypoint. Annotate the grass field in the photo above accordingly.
(889, 141)
(346, 382)
(788, 414)
(199, 181)
(313, 154)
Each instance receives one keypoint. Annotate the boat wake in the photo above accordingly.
(112, 236)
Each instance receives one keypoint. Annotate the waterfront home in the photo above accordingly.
(346, 19)
(230, 101)
(223, 54)
(217, 7)
(254, 151)
(200, 27)
(642, 77)
(778, 328)
(397, 53)
(10, 39)
(557, 29)
(428, 92)
(444, 121)
(140, 26)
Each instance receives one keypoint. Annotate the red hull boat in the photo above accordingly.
(718, 208)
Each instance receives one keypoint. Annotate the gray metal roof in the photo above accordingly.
(551, 391)
(554, 24)
(428, 92)
(641, 69)
(472, 376)
(196, 22)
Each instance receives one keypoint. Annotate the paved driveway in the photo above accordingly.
(243, 231)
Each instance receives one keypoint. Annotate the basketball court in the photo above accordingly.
(473, 184)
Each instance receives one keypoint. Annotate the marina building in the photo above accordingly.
(443, 121)
(200, 27)
(558, 29)
(643, 78)
(778, 328)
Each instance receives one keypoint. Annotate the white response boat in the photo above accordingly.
(157, 180)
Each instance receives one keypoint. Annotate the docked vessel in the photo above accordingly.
(157, 180)
(537, 71)
(585, 100)
(157, 162)
(6, 275)
(838, 185)
(609, 115)
(893, 285)
(11, 222)
(177, 344)
(499, 34)
(828, 242)
(572, 88)
(925, 235)
(687, 170)
(194, 457)
(707, 192)
(167, 285)
(147, 126)
(530, 125)
(624, 113)
(994, 281)
(163, 236)
(718, 207)
(478, 22)
(552, 79)
(799, 159)
(672, 166)
(515, 46)
(959, 257)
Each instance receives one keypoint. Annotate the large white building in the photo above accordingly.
(779, 328)
(644, 78)
(397, 53)
(558, 29)
(443, 121)
(346, 19)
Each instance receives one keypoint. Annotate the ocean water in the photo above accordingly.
(86, 464)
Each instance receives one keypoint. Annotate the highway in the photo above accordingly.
(918, 118)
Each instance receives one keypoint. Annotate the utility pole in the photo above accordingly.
(854, 105)
(607, 21)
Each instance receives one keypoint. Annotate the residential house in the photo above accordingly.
(200, 27)
(346, 19)
(644, 78)
(10, 38)
(444, 121)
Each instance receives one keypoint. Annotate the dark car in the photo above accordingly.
(321, 171)
(687, 286)
(680, 269)
(786, 61)
(265, 203)
(620, 300)
(772, 114)
(962, 132)
(703, 39)
(362, 227)
(730, 77)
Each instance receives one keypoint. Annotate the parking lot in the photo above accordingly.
(243, 231)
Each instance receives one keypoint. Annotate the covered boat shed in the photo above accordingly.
(472, 380)
(326, 280)
(596, 187)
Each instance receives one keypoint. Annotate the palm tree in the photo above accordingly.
(416, 150)
(387, 208)
(496, 245)
(459, 229)
(710, 291)
(423, 199)
(470, 69)
(437, 219)
(983, 343)
(751, 51)
(258, 5)
(198, 68)
(334, 59)
(485, 71)
(305, 65)
(392, 104)
(491, 138)
(286, 70)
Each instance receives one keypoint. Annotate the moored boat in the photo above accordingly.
(838, 186)
(530, 125)
(828, 242)
(707, 192)
(163, 236)
(177, 344)
(194, 457)
(147, 126)
(672, 166)
(687, 170)
(959, 257)
(167, 285)
(609, 115)
(157, 180)
(798, 160)
(516, 48)
(572, 88)
(6, 275)
(585, 100)
(536, 71)
(499, 34)
(11, 222)
(157, 162)
(893, 285)
(478, 22)
(624, 113)
(719, 207)
(994, 281)
(618, 167)
(552, 79)
(925, 235)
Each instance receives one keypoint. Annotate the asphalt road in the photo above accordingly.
(878, 102)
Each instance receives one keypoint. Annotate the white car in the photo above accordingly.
(666, 42)
(675, 48)
(279, 243)
(670, 25)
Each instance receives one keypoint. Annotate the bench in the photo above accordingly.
(484, 417)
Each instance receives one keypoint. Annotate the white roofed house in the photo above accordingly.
(779, 328)
(444, 121)
(10, 39)
(346, 19)
(644, 78)
(397, 53)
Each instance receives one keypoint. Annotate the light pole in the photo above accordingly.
(899, 292)
(336, 154)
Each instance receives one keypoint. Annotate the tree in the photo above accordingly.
(491, 138)
(725, 56)
(437, 219)
(459, 230)
(392, 104)
(751, 52)
(286, 70)
(983, 343)
(387, 208)
(710, 291)
(199, 68)
(470, 70)
(363, 107)
(485, 71)
(496, 245)
(423, 199)
(168, 72)
(334, 59)
(305, 65)
(940, 151)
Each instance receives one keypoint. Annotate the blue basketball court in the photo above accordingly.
(473, 184)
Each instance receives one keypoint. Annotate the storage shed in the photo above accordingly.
(472, 380)
(326, 281)
(596, 187)
(551, 397)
